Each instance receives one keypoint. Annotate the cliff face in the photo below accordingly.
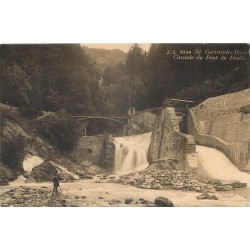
(14, 142)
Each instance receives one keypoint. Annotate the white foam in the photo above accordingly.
(30, 162)
(218, 166)
(131, 153)
(20, 180)
(65, 170)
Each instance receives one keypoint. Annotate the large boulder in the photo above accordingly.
(44, 172)
(163, 202)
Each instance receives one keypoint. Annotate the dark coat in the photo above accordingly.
(56, 182)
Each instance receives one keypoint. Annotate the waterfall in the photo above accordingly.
(131, 153)
(218, 166)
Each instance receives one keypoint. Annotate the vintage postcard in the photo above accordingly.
(125, 125)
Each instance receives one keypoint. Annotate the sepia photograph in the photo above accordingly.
(125, 125)
(111, 112)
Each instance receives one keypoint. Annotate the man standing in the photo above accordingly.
(56, 184)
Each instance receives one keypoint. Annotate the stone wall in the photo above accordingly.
(154, 151)
(95, 150)
(225, 117)
(167, 140)
(223, 122)
(221, 105)
(231, 128)
(90, 149)
(108, 159)
(145, 120)
(172, 144)
(237, 152)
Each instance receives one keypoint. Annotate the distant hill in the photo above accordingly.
(105, 58)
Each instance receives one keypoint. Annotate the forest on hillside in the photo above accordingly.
(69, 78)
(103, 58)
(50, 83)
(53, 77)
(151, 77)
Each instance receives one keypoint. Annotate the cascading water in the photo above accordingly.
(131, 153)
(218, 166)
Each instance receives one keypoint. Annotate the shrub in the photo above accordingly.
(60, 129)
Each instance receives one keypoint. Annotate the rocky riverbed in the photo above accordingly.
(24, 196)
(185, 180)
(99, 192)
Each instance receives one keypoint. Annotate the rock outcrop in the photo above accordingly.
(14, 142)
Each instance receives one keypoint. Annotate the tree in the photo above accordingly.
(136, 61)
(60, 129)
(15, 85)
(108, 76)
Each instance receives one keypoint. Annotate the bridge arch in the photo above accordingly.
(85, 119)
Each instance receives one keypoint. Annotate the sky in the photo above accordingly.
(122, 46)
